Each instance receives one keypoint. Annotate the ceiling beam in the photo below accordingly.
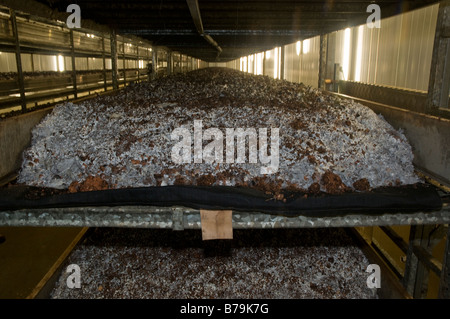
(187, 32)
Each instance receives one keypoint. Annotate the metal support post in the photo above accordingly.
(114, 66)
(264, 63)
(137, 63)
(412, 262)
(74, 71)
(20, 78)
(444, 287)
(336, 78)
(323, 61)
(282, 54)
(124, 64)
(170, 62)
(154, 62)
(104, 63)
(439, 84)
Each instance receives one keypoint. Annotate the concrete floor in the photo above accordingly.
(27, 254)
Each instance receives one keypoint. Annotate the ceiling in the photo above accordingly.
(221, 30)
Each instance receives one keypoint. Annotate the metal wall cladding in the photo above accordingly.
(301, 62)
(309, 62)
(292, 62)
(269, 63)
(8, 62)
(398, 54)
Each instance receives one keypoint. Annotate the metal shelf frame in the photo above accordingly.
(22, 33)
(424, 225)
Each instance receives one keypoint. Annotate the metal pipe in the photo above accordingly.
(195, 13)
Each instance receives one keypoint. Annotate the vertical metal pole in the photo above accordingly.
(32, 63)
(137, 63)
(439, 83)
(104, 63)
(114, 59)
(154, 61)
(74, 72)
(336, 77)
(282, 54)
(421, 283)
(444, 286)
(124, 64)
(170, 62)
(411, 264)
(323, 60)
(180, 63)
(20, 79)
(264, 63)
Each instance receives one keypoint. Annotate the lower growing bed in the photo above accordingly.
(257, 264)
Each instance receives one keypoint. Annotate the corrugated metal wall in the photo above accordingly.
(309, 65)
(292, 61)
(398, 54)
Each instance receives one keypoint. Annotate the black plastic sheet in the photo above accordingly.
(403, 199)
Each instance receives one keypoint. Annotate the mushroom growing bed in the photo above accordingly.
(127, 139)
(289, 264)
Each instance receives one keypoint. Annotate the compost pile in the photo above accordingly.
(326, 144)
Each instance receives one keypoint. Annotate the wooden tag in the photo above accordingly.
(216, 224)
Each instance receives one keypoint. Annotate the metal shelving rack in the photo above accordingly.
(93, 61)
